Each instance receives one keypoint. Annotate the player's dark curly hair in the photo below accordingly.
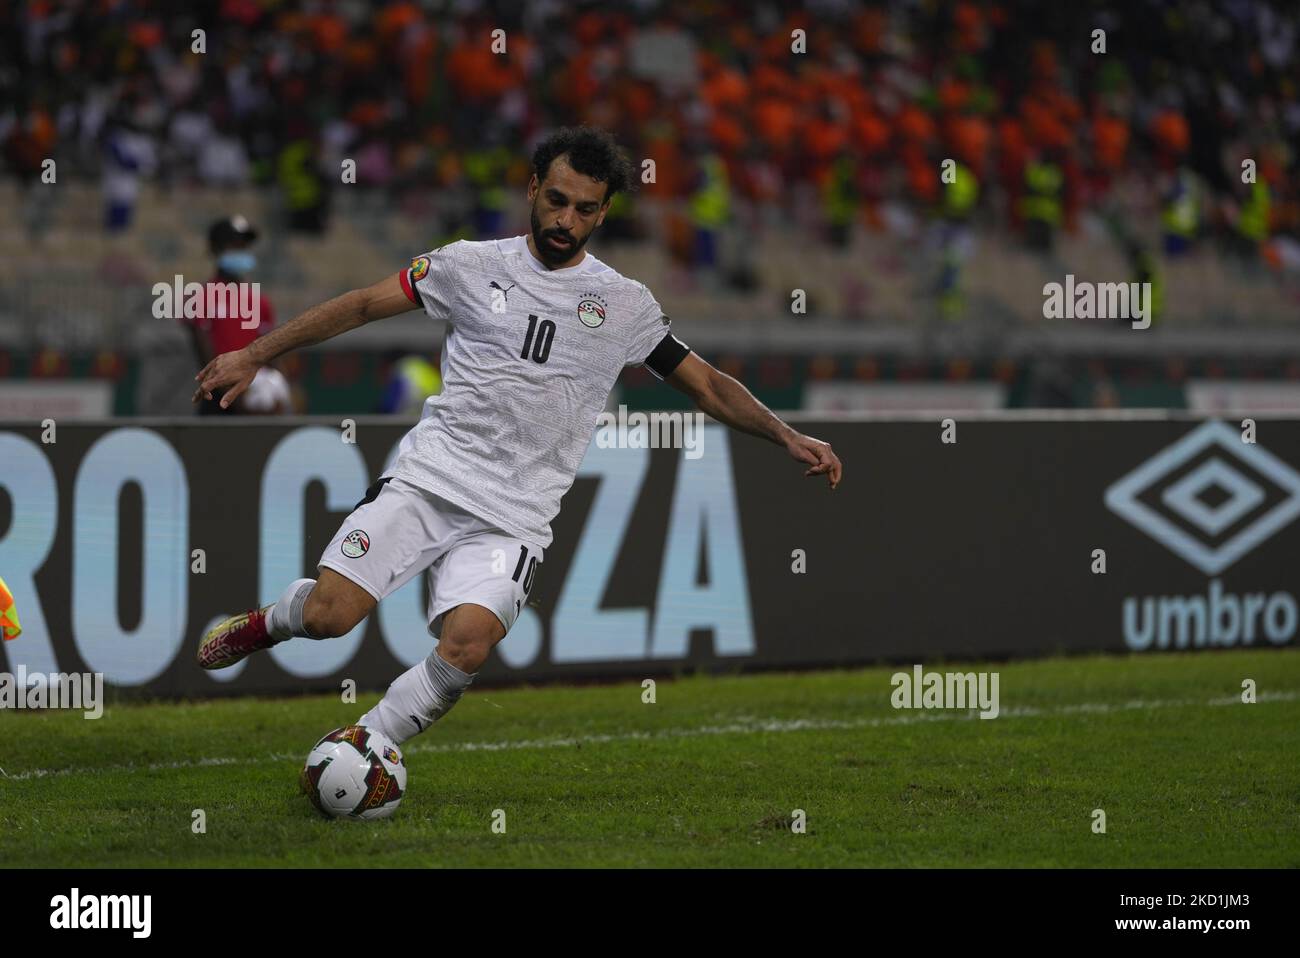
(591, 151)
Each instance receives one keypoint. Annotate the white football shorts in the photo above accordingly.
(399, 530)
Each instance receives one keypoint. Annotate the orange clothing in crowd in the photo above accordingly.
(769, 80)
(329, 31)
(669, 178)
(1169, 130)
(870, 27)
(1048, 122)
(727, 132)
(478, 74)
(921, 176)
(776, 121)
(638, 102)
(870, 133)
(1110, 137)
(953, 95)
(394, 20)
(969, 138)
(915, 125)
(824, 139)
(968, 24)
(725, 89)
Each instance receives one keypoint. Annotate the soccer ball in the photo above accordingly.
(355, 772)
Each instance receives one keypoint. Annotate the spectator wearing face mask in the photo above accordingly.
(234, 312)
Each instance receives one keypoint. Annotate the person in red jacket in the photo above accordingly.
(232, 315)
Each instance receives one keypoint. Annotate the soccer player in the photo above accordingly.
(538, 330)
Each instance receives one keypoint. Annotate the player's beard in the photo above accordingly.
(547, 253)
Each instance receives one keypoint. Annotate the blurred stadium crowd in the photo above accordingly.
(414, 93)
(780, 159)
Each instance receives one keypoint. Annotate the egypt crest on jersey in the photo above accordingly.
(528, 361)
(591, 310)
(355, 544)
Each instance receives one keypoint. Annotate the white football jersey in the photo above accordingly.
(528, 362)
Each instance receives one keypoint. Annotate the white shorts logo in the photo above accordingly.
(355, 544)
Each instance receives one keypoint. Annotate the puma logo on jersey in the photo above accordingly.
(499, 296)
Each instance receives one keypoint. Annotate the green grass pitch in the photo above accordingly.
(708, 775)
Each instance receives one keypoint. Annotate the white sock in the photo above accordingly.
(417, 698)
(285, 620)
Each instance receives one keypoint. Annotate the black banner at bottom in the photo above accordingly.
(1226, 908)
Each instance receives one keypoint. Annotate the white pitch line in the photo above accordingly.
(735, 728)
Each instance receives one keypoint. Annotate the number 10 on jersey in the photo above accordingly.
(539, 348)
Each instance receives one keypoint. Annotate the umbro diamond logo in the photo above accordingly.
(1209, 498)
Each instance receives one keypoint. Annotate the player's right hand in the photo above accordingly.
(232, 372)
(817, 454)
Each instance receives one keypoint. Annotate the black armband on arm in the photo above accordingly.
(667, 356)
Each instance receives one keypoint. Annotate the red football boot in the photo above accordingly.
(235, 638)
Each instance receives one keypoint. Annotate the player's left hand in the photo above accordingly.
(816, 454)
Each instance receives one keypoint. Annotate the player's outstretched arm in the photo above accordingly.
(728, 401)
(234, 371)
